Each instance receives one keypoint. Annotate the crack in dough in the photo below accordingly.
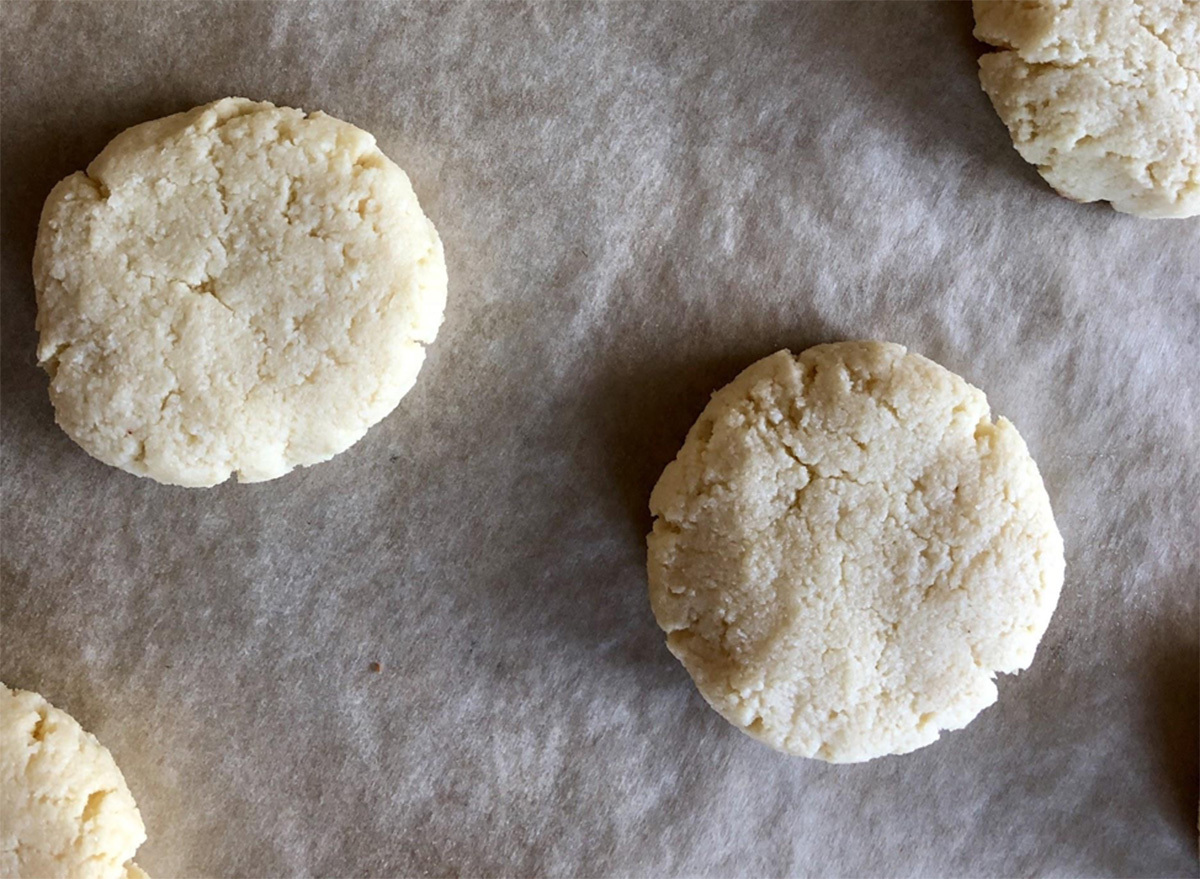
(846, 581)
(65, 809)
(1102, 97)
(270, 269)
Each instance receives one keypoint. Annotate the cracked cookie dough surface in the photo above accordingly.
(847, 549)
(65, 809)
(238, 289)
(1103, 97)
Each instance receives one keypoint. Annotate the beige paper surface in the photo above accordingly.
(637, 201)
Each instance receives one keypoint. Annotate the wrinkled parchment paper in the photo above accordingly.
(637, 201)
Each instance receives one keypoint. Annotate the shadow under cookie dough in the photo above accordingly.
(1172, 688)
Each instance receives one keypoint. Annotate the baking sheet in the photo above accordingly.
(637, 201)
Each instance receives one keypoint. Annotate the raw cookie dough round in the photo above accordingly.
(65, 809)
(847, 549)
(242, 288)
(1104, 97)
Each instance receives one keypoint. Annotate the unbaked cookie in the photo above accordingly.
(65, 809)
(1103, 97)
(242, 288)
(847, 549)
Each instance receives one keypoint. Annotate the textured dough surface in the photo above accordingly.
(241, 288)
(1103, 96)
(65, 809)
(847, 550)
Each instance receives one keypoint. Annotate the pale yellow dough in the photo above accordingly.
(1102, 95)
(65, 810)
(239, 289)
(847, 549)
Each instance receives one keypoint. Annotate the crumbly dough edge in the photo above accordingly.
(27, 715)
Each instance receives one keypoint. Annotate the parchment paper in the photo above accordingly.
(637, 201)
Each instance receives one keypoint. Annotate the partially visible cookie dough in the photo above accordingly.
(65, 809)
(1103, 96)
(848, 548)
(242, 288)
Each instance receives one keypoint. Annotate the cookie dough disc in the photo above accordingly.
(65, 809)
(847, 549)
(1104, 97)
(242, 288)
